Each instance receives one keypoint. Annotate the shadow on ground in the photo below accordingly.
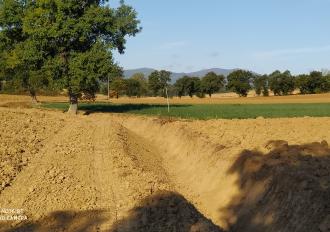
(287, 189)
(123, 108)
(160, 212)
(85, 221)
(165, 212)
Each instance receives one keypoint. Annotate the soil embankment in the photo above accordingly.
(121, 173)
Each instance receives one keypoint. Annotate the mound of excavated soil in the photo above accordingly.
(127, 173)
(241, 176)
(287, 189)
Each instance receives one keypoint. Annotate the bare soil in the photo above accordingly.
(105, 172)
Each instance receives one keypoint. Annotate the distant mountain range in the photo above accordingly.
(146, 71)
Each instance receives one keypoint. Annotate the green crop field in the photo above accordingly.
(207, 111)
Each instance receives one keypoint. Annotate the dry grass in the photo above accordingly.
(229, 99)
(226, 98)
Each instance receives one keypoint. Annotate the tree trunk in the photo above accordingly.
(73, 98)
(34, 97)
(73, 109)
(34, 100)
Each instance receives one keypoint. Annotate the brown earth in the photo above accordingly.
(105, 172)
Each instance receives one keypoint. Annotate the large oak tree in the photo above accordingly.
(80, 36)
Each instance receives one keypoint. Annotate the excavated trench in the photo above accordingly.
(127, 173)
(284, 188)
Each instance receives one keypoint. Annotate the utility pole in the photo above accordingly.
(168, 101)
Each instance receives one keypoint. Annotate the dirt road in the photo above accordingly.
(105, 172)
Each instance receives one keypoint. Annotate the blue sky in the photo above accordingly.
(259, 35)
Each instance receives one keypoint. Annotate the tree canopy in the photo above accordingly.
(212, 83)
(20, 55)
(188, 86)
(142, 86)
(261, 85)
(158, 81)
(118, 85)
(74, 39)
(313, 83)
(239, 81)
(281, 83)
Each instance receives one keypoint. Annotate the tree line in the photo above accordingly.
(239, 81)
(66, 47)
